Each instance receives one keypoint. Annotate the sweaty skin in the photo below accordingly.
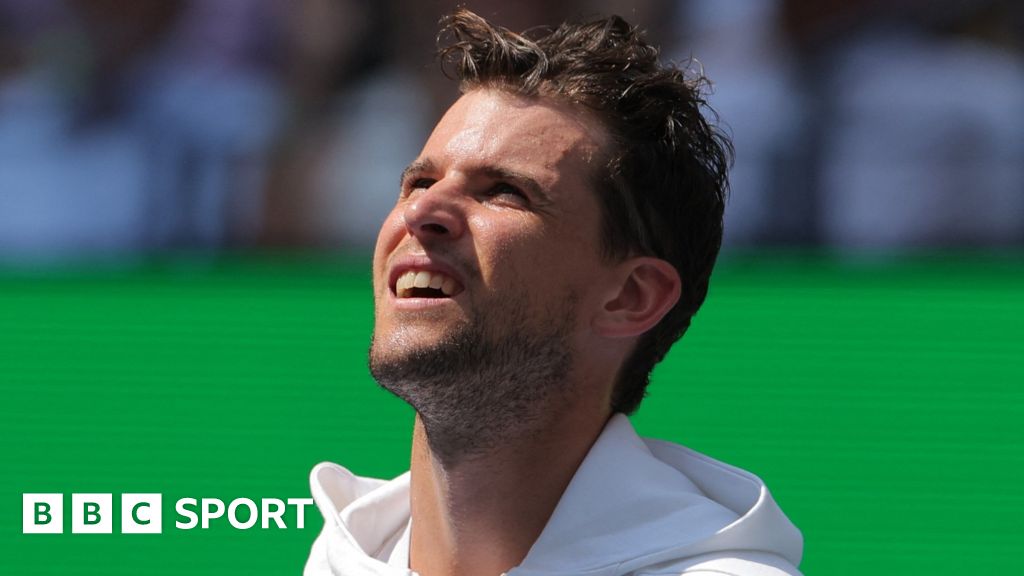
(500, 203)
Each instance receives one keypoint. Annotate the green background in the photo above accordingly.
(882, 402)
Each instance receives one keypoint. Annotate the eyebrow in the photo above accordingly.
(498, 173)
(493, 172)
(421, 165)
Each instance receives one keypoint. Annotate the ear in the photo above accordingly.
(648, 289)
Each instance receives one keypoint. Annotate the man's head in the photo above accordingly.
(572, 197)
(480, 268)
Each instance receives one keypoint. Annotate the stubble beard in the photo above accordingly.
(488, 382)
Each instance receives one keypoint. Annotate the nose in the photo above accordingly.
(434, 213)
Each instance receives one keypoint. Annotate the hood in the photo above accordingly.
(363, 520)
(633, 505)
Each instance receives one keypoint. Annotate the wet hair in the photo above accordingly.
(663, 179)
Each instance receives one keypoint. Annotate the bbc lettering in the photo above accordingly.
(142, 513)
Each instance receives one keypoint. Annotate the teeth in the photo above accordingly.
(423, 279)
(405, 282)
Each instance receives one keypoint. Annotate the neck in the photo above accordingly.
(479, 516)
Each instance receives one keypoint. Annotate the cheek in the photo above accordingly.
(391, 233)
(544, 260)
(565, 263)
(502, 245)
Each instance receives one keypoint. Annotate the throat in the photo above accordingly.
(482, 515)
(469, 518)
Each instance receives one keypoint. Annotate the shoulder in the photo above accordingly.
(735, 563)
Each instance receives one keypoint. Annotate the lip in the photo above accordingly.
(425, 263)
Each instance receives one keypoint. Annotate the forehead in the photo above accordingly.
(544, 139)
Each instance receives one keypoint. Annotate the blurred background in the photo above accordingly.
(189, 191)
(133, 127)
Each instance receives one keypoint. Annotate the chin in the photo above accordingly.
(403, 344)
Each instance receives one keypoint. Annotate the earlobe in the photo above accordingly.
(650, 287)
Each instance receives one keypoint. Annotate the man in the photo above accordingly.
(550, 243)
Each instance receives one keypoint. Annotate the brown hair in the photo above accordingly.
(662, 190)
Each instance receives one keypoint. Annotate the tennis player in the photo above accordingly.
(549, 245)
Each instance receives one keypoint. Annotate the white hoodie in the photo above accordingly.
(635, 507)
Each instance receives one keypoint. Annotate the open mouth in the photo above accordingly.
(426, 284)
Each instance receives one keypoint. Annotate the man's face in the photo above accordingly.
(490, 258)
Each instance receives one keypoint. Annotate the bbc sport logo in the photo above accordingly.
(92, 513)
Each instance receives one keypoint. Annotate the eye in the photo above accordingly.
(417, 184)
(508, 192)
